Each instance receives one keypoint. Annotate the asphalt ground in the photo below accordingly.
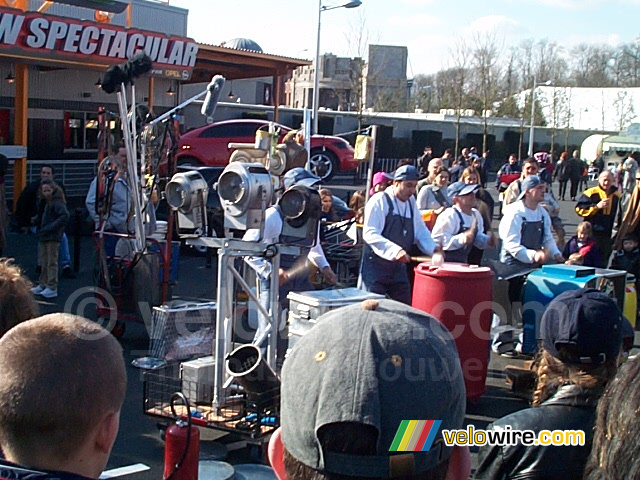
(139, 440)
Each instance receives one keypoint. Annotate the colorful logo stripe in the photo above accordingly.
(415, 435)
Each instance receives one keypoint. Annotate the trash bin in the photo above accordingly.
(460, 297)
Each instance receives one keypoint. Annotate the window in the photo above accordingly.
(81, 130)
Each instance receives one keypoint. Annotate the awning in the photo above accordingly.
(621, 144)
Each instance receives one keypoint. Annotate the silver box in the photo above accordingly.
(197, 379)
(306, 307)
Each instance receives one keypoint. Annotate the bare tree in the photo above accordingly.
(624, 109)
(459, 59)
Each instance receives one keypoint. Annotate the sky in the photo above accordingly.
(428, 28)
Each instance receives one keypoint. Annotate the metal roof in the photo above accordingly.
(236, 64)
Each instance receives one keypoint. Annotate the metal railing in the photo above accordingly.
(75, 175)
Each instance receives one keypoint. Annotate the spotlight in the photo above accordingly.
(187, 193)
(245, 191)
(301, 207)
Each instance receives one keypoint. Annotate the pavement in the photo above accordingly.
(139, 440)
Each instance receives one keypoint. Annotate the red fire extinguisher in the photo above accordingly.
(182, 446)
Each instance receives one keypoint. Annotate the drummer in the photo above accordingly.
(392, 225)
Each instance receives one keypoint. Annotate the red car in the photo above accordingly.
(208, 145)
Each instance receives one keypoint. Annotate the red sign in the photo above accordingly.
(49, 38)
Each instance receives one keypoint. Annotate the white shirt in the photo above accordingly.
(375, 214)
(510, 231)
(447, 226)
(271, 234)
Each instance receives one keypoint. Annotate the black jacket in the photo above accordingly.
(11, 471)
(571, 408)
(54, 219)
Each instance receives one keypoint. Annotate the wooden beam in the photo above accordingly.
(20, 128)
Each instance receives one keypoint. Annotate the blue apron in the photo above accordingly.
(389, 277)
(460, 255)
(531, 236)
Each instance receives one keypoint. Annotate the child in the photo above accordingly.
(585, 245)
(52, 223)
(629, 257)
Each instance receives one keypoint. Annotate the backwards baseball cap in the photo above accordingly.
(583, 327)
(375, 363)
(406, 172)
(300, 176)
(458, 189)
(529, 183)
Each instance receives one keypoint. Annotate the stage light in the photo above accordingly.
(187, 194)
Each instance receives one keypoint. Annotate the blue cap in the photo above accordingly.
(529, 183)
(406, 172)
(300, 176)
(458, 189)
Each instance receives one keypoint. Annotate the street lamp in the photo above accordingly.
(316, 77)
(533, 112)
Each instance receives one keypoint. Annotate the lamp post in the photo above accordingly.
(316, 77)
(533, 113)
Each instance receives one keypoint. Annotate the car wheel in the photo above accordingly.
(189, 161)
(324, 164)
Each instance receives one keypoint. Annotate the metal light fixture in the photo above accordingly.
(187, 194)
(231, 95)
(10, 78)
(98, 83)
(316, 77)
(171, 92)
(245, 191)
(301, 207)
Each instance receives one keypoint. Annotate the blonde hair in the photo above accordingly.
(16, 302)
(585, 227)
(553, 373)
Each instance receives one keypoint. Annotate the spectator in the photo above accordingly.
(423, 161)
(574, 170)
(29, 207)
(350, 382)
(561, 173)
(614, 455)
(328, 214)
(447, 158)
(486, 164)
(356, 202)
(434, 166)
(392, 226)
(16, 302)
(630, 206)
(52, 223)
(459, 228)
(512, 166)
(581, 333)
(485, 206)
(584, 245)
(629, 167)
(628, 257)
(63, 383)
(380, 182)
(600, 206)
(525, 228)
(109, 200)
(529, 167)
(434, 196)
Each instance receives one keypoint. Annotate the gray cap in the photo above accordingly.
(300, 176)
(377, 363)
(529, 183)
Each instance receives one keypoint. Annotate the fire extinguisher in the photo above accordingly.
(182, 446)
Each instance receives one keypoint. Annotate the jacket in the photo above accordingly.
(604, 220)
(11, 471)
(571, 408)
(54, 219)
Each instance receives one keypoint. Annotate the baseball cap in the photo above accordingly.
(457, 189)
(406, 172)
(529, 183)
(582, 326)
(300, 176)
(376, 363)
